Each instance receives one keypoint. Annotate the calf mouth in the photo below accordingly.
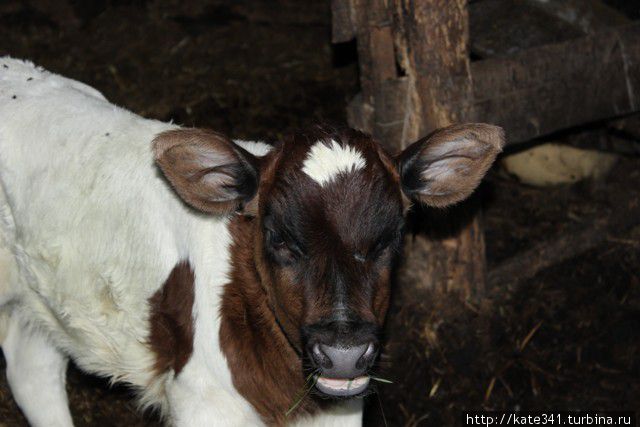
(343, 371)
(341, 354)
(343, 387)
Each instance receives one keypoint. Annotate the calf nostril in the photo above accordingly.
(345, 361)
(320, 357)
(371, 349)
(367, 357)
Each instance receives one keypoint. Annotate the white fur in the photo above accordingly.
(325, 161)
(89, 230)
(348, 414)
(255, 148)
(36, 373)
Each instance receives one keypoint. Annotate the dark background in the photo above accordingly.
(254, 69)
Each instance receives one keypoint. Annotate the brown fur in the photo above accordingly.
(171, 322)
(469, 149)
(309, 263)
(265, 367)
(206, 169)
(264, 306)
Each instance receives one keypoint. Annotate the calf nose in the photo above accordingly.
(344, 362)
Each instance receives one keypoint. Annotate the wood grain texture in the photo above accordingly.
(554, 87)
(343, 27)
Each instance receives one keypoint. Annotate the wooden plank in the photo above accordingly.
(504, 27)
(549, 88)
(376, 52)
(432, 45)
(391, 101)
(590, 16)
(343, 24)
(287, 12)
(623, 217)
(360, 114)
(365, 61)
(382, 54)
(618, 137)
(432, 37)
(389, 113)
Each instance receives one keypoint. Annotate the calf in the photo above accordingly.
(219, 278)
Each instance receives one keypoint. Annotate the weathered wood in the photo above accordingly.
(453, 263)
(432, 40)
(383, 94)
(376, 53)
(625, 135)
(527, 264)
(389, 113)
(590, 16)
(343, 25)
(532, 93)
(614, 138)
(288, 12)
(549, 88)
(382, 54)
(504, 27)
(360, 114)
(365, 60)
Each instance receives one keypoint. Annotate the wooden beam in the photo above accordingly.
(343, 25)
(433, 38)
(432, 49)
(590, 16)
(617, 223)
(549, 88)
(504, 27)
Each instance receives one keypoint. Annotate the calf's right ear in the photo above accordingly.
(206, 169)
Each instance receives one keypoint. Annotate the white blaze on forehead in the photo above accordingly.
(325, 161)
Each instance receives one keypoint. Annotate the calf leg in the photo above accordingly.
(36, 373)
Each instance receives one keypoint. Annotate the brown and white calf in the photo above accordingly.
(213, 276)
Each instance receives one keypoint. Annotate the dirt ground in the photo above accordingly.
(568, 338)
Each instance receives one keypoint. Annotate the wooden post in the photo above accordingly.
(415, 78)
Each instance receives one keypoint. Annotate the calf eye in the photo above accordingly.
(276, 240)
(359, 257)
(381, 248)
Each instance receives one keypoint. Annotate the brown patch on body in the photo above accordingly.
(171, 320)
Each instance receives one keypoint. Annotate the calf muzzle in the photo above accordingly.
(342, 355)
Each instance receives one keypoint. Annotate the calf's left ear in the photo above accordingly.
(446, 166)
(207, 169)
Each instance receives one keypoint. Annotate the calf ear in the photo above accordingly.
(207, 169)
(446, 166)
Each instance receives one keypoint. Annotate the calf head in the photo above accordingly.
(328, 208)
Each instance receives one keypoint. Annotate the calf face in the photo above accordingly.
(329, 213)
